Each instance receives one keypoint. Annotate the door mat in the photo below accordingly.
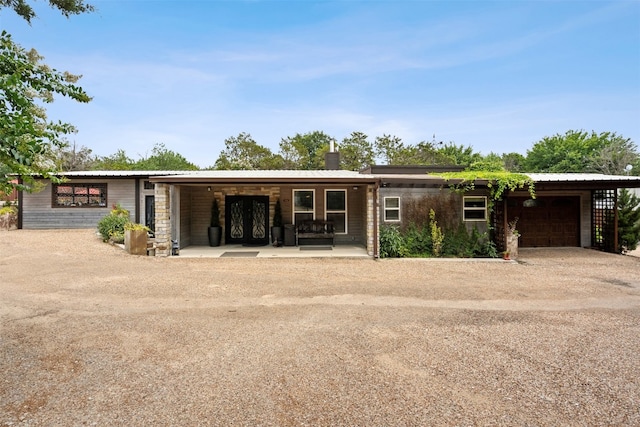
(316, 248)
(245, 254)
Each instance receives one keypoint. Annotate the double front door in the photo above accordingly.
(247, 220)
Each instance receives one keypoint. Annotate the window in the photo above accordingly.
(303, 206)
(392, 208)
(474, 208)
(336, 209)
(148, 185)
(79, 195)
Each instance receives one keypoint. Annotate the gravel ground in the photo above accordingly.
(92, 336)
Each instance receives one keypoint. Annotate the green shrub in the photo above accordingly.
(8, 210)
(391, 242)
(118, 210)
(136, 226)
(437, 236)
(457, 243)
(417, 241)
(111, 227)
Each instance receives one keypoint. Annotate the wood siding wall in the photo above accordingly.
(38, 213)
(196, 203)
(185, 238)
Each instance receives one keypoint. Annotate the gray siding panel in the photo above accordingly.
(38, 212)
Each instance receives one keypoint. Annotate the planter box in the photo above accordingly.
(512, 244)
(135, 242)
(8, 221)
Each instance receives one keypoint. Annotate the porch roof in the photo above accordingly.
(267, 177)
(585, 177)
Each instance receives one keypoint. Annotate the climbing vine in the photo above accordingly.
(498, 182)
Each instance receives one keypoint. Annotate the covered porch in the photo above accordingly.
(247, 200)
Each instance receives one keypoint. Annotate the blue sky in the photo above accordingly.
(497, 76)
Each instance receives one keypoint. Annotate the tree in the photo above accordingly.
(242, 152)
(615, 155)
(426, 153)
(356, 152)
(390, 149)
(66, 7)
(513, 162)
(628, 221)
(27, 138)
(119, 161)
(74, 158)
(459, 154)
(162, 158)
(305, 152)
(579, 151)
(491, 162)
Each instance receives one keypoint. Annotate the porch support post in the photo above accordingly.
(372, 232)
(163, 220)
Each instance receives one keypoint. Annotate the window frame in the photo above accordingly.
(385, 209)
(75, 196)
(293, 204)
(466, 209)
(344, 211)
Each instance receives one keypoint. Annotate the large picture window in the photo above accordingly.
(392, 208)
(303, 205)
(336, 209)
(474, 208)
(79, 195)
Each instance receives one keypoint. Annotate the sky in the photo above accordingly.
(494, 75)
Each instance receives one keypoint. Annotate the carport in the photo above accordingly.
(569, 210)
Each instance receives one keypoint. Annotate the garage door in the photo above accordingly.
(546, 221)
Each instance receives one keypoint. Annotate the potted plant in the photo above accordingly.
(215, 231)
(276, 225)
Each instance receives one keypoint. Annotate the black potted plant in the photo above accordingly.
(276, 225)
(215, 231)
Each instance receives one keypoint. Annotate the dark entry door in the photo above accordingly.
(150, 213)
(247, 220)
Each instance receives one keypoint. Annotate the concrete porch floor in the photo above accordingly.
(306, 251)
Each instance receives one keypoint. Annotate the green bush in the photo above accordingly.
(136, 226)
(8, 210)
(111, 227)
(391, 242)
(417, 241)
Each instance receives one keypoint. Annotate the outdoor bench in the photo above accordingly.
(315, 232)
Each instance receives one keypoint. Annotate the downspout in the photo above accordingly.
(20, 204)
(137, 202)
(615, 222)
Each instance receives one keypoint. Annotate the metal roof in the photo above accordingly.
(580, 177)
(122, 174)
(268, 176)
(309, 176)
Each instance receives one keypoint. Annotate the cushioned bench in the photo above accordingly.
(316, 232)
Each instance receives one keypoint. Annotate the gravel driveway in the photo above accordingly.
(92, 336)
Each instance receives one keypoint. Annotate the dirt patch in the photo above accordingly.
(91, 335)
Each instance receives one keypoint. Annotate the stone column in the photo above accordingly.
(371, 223)
(163, 220)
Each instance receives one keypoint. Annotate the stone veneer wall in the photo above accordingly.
(201, 200)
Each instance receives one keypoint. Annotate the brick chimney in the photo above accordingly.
(332, 159)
